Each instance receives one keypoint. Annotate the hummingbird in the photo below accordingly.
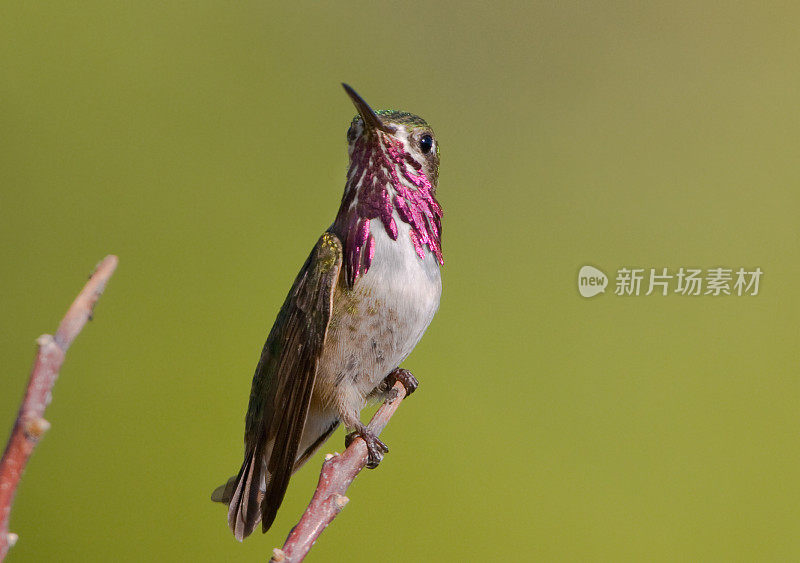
(360, 304)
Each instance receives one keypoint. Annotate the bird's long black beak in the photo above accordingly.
(371, 119)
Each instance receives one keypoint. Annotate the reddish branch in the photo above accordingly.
(338, 471)
(30, 424)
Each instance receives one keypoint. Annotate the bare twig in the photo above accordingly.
(30, 424)
(338, 471)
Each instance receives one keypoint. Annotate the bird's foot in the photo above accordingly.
(405, 377)
(375, 448)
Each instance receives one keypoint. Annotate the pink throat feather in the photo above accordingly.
(378, 162)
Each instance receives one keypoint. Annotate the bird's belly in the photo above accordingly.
(376, 325)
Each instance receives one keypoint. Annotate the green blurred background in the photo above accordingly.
(204, 143)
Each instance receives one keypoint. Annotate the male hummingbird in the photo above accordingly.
(359, 305)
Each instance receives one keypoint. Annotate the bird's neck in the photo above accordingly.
(385, 183)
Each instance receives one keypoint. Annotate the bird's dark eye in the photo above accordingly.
(426, 144)
(351, 134)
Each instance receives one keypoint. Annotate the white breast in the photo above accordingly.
(407, 285)
(378, 325)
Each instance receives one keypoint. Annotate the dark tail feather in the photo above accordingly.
(224, 493)
(247, 502)
(273, 496)
(244, 496)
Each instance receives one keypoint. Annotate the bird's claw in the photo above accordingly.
(375, 447)
(405, 377)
